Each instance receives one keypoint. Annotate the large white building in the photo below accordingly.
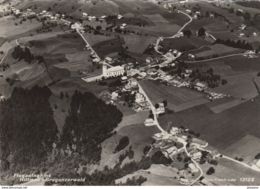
(113, 71)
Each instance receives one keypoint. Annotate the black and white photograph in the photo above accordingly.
(129, 93)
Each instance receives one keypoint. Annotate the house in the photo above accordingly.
(85, 15)
(91, 18)
(77, 26)
(149, 122)
(191, 56)
(200, 86)
(160, 109)
(119, 16)
(123, 26)
(174, 131)
(103, 17)
(193, 168)
(197, 155)
(158, 136)
(242, 27)
(172, 150)
(108, 60)
(139, 98)
(124, 79)
(132, 83)
(114, 96)
(188, 10)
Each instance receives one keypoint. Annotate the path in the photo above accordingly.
(217, 58)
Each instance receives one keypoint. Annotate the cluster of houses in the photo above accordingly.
(171, 144)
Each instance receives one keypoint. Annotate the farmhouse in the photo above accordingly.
(193, 168)
(149, 122)
(160, 109)
(174, 131)
(196, 155)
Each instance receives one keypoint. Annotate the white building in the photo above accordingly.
(77, 26)
(160, 109)
(139, 98)
(113, 71)
(149, 122)
(197, 155)
(174, 131)
(193, 168)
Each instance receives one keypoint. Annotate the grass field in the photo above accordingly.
(247, 148)
(61, 44)
(183, 44)
(107, 47)
(159, 29)
(138, 44)
(223, 129)
(157, 175)
(218, 49)
(178, 99)
(9, 29)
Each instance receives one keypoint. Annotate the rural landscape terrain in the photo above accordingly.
(130, 92)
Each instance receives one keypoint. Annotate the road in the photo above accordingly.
(217, 58)
(160, 39)
(157, 124)
(141, 90)
(87, 43)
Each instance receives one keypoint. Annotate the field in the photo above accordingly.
(61, 44)
(228, 173)
(95, 39)
(157, 175)
(183, 44)
(217, 49)
(223, 129)
(247, 148)
(158, 30)
(9, 29)
(179, 99)
(138, 44)
(107, 47)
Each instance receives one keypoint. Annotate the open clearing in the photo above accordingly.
(9, 29)
(183, 43)
(138, 44)
(247, 148)
(218, 49)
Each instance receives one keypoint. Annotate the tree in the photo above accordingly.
(210, 171)
(22, 135)
(61, 95)
(165, 103)
(124, 141)
(187, 33)
(224, 82)
(257, 156)
(201, 32)
(90, 121)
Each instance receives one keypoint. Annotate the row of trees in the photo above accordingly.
(236, 44)
(208, 76)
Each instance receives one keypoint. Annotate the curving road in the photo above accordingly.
(160, 39)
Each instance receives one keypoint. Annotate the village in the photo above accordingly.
(184, 147)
